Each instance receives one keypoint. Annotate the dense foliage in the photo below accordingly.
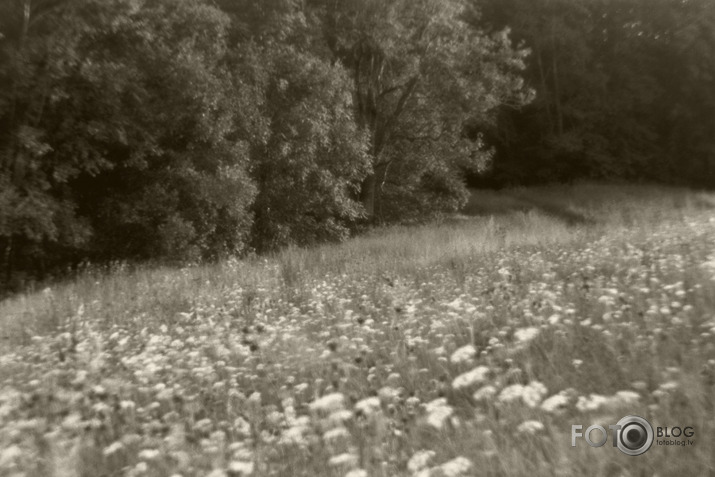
(196, 129)
(118, 136)
(188, 130)
(624, 89)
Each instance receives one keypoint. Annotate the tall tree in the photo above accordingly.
(309, 164)
(116, 141)
(307, 155)
(419, 72)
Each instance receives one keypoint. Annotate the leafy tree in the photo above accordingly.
(307, 155)
(117, 141)
(29, 212)
(419, 73)
(313, 157)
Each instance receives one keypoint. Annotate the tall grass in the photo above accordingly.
(472, 344)
(491, 221)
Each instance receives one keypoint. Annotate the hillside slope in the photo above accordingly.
(467, 347)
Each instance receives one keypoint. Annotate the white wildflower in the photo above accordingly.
(388, 393)
(555, 402)
(419, 460)
(476, 376)
(368, 406)
(240, 467)
(627, 397)
(524, 335)
(242, 426)
(329, 402)
(530, 427)
(9, 455)
(338, 417)
(465, 353)
(591, 403)
(437, 412)
(345, 459)
(112, 448)
(357, 473)
(293, 436)
(485, 392)
(456, 467)
(149, 454)
(336, 433)
(533, 393)
(456, 304)
(142, 468)
(511, 393)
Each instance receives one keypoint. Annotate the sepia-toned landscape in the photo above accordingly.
(467, 347)
(357, 238)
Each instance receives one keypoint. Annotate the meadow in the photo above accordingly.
(463, 347)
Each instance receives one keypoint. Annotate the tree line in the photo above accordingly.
(625, 89)
(198, 129)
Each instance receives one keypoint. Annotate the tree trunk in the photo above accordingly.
(368, 192)
(7, 260)
(557, 99)
(557, 88)
(545, 91)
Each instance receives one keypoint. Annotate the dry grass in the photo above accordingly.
(554, 291)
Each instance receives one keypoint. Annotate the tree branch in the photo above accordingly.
(382, 134)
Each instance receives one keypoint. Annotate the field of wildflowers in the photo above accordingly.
(467, 347)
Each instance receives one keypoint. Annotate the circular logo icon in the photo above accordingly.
(635, 435)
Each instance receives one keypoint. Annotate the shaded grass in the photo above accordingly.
(490, 221)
